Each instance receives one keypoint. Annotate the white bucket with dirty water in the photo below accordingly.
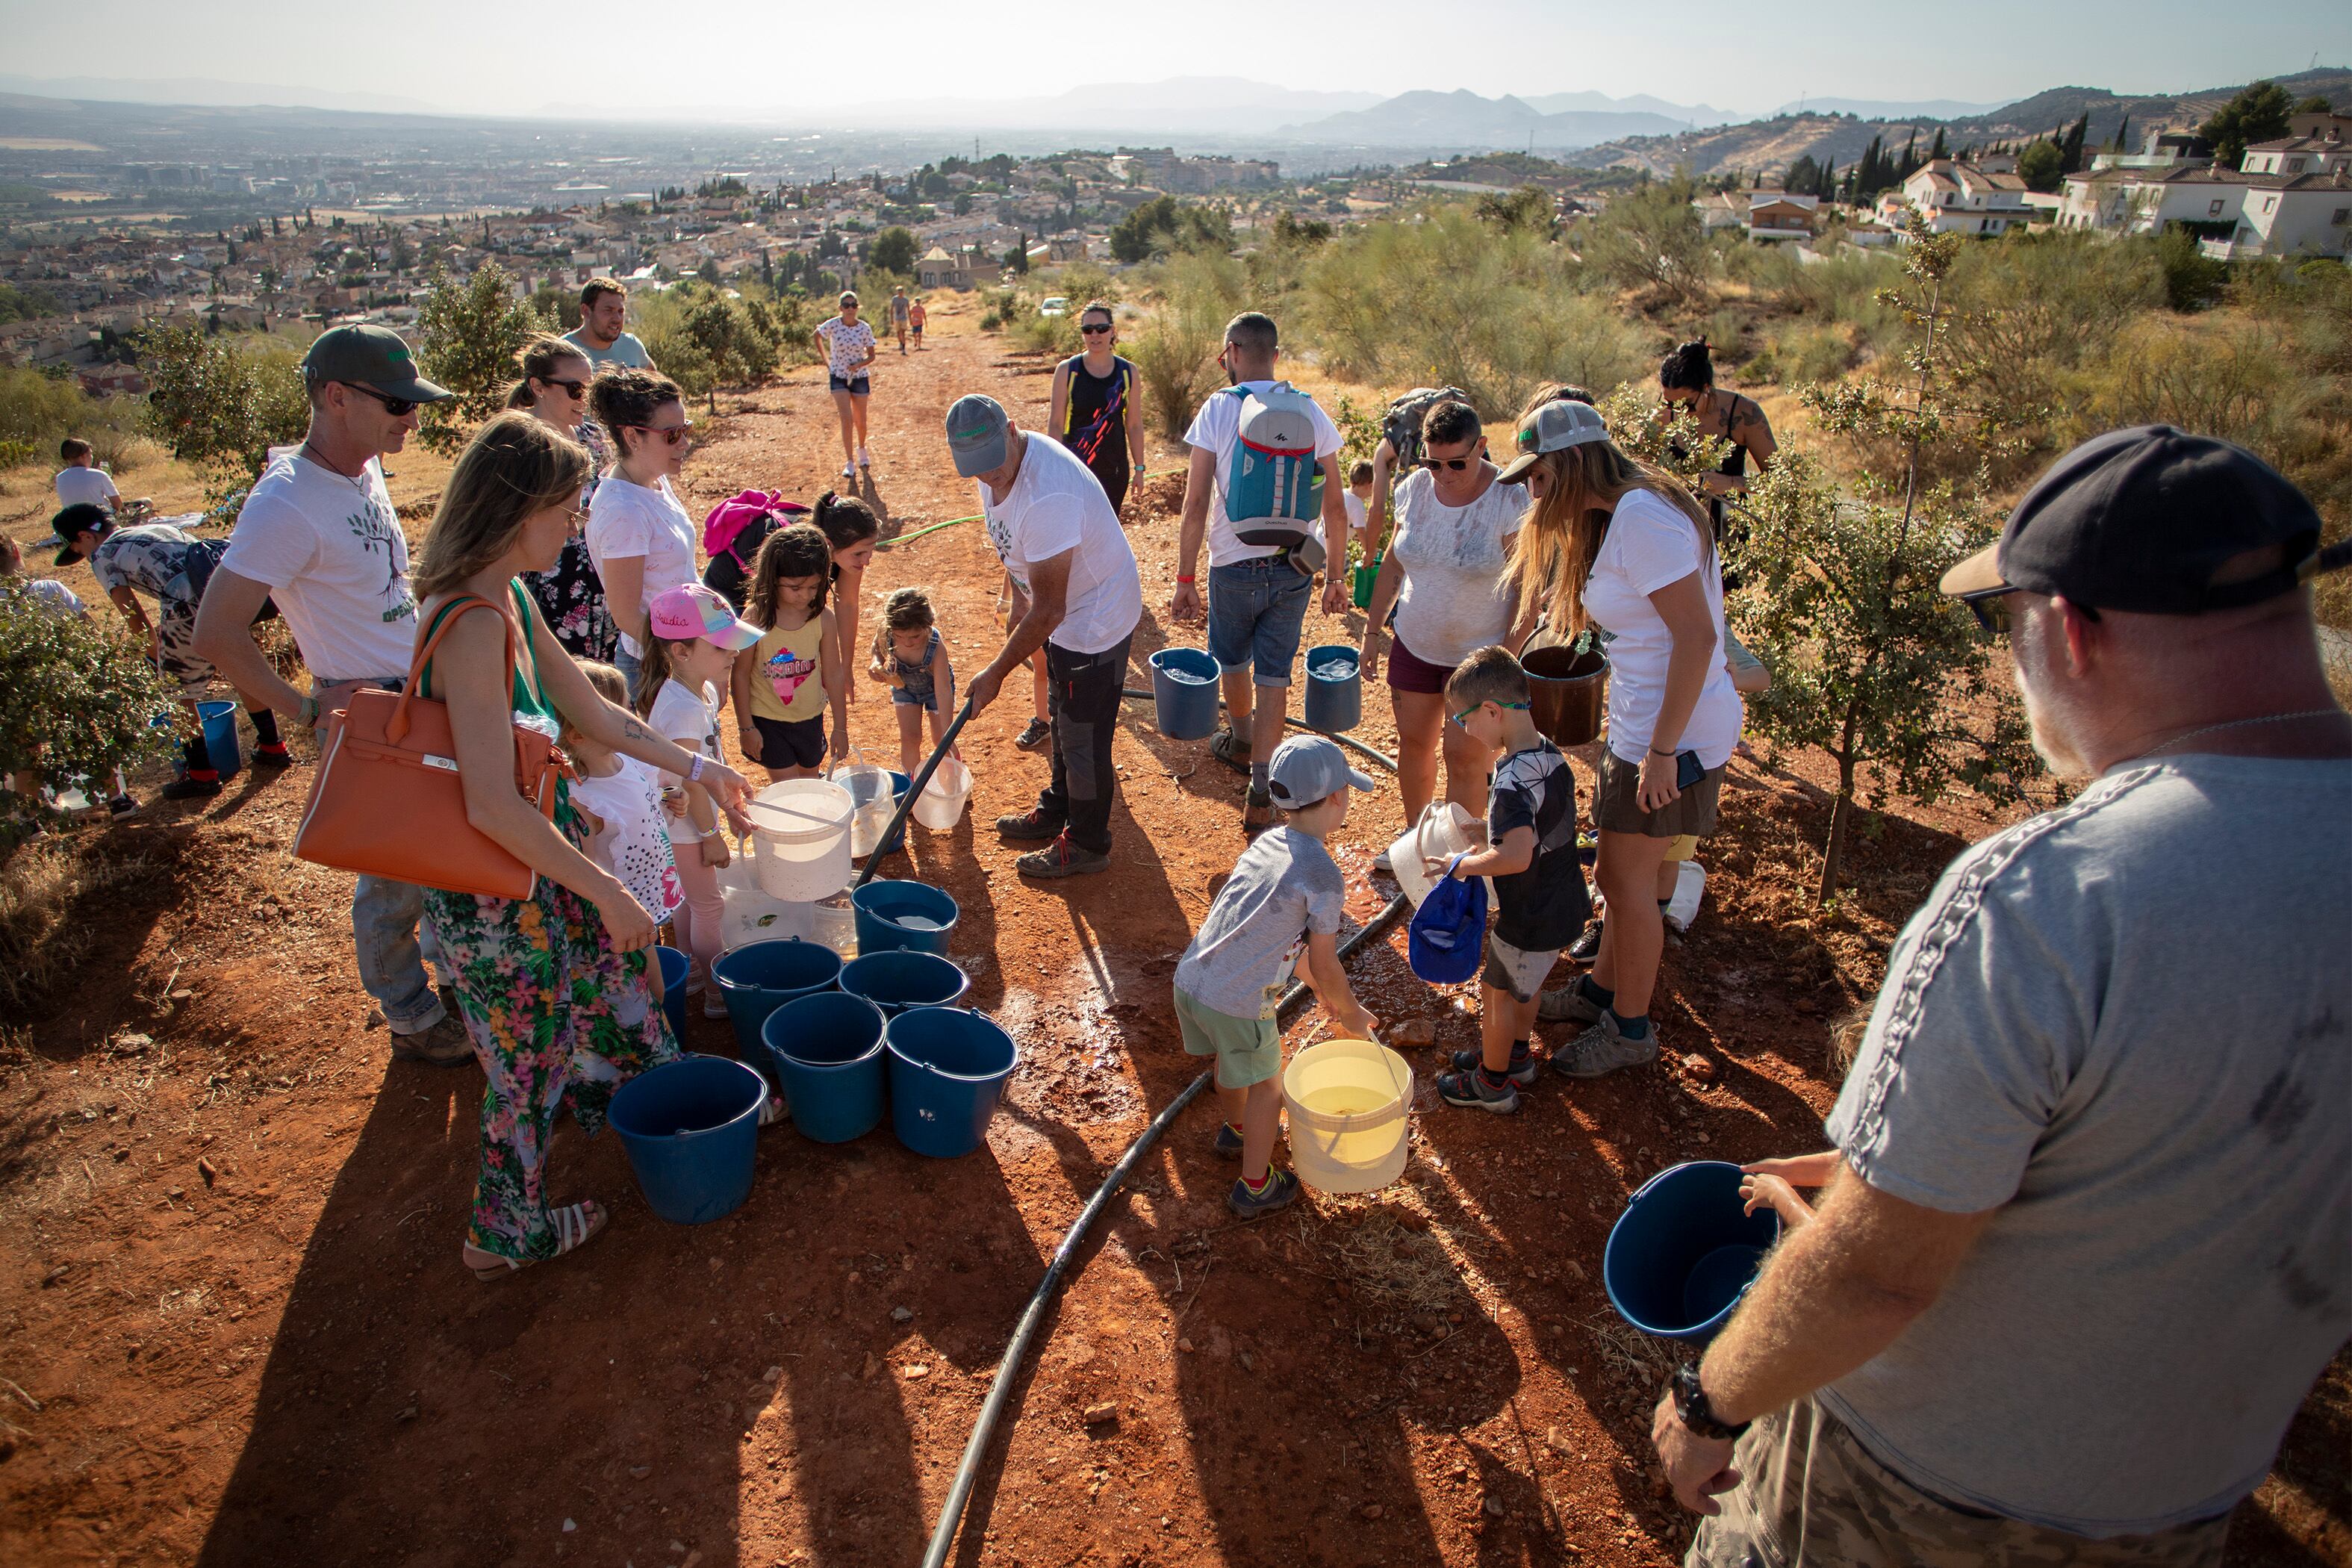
(1444, 831)
(1349, 1107)
(800, 839)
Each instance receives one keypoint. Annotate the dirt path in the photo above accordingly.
(234, 1331)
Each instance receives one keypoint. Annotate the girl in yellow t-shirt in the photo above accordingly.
(784, 682)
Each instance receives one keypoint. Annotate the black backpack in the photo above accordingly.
(1402, 427)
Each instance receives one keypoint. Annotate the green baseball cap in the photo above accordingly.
(374, 357)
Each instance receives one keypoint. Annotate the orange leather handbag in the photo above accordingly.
(387, 800)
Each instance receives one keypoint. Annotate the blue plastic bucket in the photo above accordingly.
(828, 1049)
(900, 914)
(1335, 688)
(1184, 693)
(219, 720)
(948, 1069)
(675, 968)
(900, 978)
(1682, 1254)
(762, 976)
(689, 1127)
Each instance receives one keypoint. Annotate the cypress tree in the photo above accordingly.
(2069, 151)
(2123, 128)
(1938, 150)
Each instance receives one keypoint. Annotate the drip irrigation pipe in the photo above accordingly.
(1350, 741)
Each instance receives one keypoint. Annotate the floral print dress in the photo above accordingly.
(571, 595)
(559, 1020)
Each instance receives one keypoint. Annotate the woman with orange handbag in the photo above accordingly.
(552, 985)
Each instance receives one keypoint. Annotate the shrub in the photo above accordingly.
(37, 411)
(220, 402)
(1175, 351)
(77, 701)
(1649, 239)
(467, 335)
(1800, 352)
(895, 250)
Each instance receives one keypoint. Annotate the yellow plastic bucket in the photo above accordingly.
(1350, 1108)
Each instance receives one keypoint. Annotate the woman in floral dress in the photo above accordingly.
(571, 596)
(552, 987)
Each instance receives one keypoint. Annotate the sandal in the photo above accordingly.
(575, 1225)
(1231, 750)
(772, 1111)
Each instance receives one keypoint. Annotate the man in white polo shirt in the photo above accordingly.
(1050, 524)
(318, 534)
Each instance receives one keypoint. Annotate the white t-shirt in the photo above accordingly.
(692, 722)
(625, 519)
(1455, 600)
(330, 550)
(633, 842)
(1650, 543)
(1056, 505)
(51, 595)
(1358, 515)
(79, 486)
(1213, 429)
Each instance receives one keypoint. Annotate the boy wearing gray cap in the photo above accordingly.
(1283, 898)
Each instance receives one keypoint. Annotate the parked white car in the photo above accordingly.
(1053, 305)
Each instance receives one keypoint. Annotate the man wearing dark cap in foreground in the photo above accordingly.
(2091, 1240)
(318, 534)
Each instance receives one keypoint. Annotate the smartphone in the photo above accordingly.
(1687, 771)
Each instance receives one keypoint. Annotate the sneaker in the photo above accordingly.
(1228, 1143)
(849, 472)
(1031, 824)
(864, 458)
(1588, 846)
(1569, 1004)
(122, 808)
(1258, 814)
(1585, 949)
(445, 1044)
(1523, 1071)
(1034, 737)
(1231, 750)
(191, 789)
(1280, 1191)
(714, 1003)
(276, 756)
(1602, 1050)
(1061, 858)
(1380, 862)
(1470, 1091)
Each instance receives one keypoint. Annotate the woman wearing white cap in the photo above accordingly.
(1618, 544)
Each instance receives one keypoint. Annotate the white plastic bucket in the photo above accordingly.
(755, 915)
(941, 805)
(1350, 1109)
(1445, 829)
(800, 839)
(873, 801)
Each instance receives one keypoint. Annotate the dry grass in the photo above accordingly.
(1389, 1263)
(39, 885)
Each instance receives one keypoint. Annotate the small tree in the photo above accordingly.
(78, 699)
(1650, 238)
(468, 334)
(2041, 166)
(893, 250)
(220, 406)
(2259, 114)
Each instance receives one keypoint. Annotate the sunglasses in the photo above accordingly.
(672, 434)
(396, 407)
(1091, 328)
(1474, 708)
(573, 389)
(1456, 464)
(1990, 607)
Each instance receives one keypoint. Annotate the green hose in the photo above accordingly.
(919, 533)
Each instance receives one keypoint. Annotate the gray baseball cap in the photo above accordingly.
(1554, 426)
(1309, 768)
(374, 357)
(976, 426)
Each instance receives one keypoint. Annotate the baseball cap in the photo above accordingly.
(374, 357)
(1448, 930)
(1309, 768)
(682, 615)
(976, 426)
(2145, 519)
(1553, 427)
(82, 516)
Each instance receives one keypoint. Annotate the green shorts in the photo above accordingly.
(1248, 1051)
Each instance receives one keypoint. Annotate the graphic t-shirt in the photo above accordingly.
(626, 350)
(788, 680)
(330, 550)
(692, 722)
(1650, 543)
(1455, 600)
(845, 346)
(634, 843)
(1056, 505)
(1284, 886)
(1213, 429)
(627, 519)
(1544, 907)
(79, 486)
(151, 558)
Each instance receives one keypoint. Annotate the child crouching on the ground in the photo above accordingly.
(1774, 1183)
(911, 658)
(695, 639)
(1285, 895)
(784, 681)
(1539, 883)
(619, 801)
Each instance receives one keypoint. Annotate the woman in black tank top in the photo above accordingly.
(1687, 378)
(1094, 409)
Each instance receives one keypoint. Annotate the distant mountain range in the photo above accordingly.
(1879, 109)
(1464, 121)
(1222, 106)
(208, 92)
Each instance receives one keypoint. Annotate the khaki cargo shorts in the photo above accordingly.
(1810, 1497)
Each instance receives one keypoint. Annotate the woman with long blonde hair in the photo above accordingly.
(1616, 544)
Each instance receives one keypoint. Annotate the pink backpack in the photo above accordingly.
(731, 517)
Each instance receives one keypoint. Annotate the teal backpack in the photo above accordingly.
(1274, 486)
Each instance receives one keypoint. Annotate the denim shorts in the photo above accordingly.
(856, 386)
(1256, 610)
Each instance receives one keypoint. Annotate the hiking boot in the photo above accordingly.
(276, 756)
(445, 1044)
(1031, 824)
(1587, 947)
(1231, 750)
(1471, 1090)
(1228, 1143)
(1062, 858)
(1522, 1071)
(1602, 1049)
(122, 808)
(1258, 814)
(1569, 1004)
(1280, 1191)
(1034, 737)
(191, 789)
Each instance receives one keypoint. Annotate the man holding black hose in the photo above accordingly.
(1050, 524)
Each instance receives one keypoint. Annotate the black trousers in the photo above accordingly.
(1082, 700)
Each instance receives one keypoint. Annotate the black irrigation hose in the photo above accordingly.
(1033, 1317)
(1348, 741)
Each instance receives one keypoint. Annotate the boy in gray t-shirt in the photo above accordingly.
(1284, 896)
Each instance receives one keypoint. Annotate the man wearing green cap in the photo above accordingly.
(318, 534)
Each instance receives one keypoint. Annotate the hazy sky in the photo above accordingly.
(503, 57)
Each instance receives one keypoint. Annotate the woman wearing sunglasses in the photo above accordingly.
(639, 537)
(1443, 576)
(554, 391)
(850, 349)
(1095, 412)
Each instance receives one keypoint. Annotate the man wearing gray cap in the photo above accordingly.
(1050, 524)
(2090, 1239)
(318, 534)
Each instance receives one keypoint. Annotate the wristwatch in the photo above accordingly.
(1691, 1408)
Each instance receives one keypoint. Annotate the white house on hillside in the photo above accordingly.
(1961, 198)
(2290, 197)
